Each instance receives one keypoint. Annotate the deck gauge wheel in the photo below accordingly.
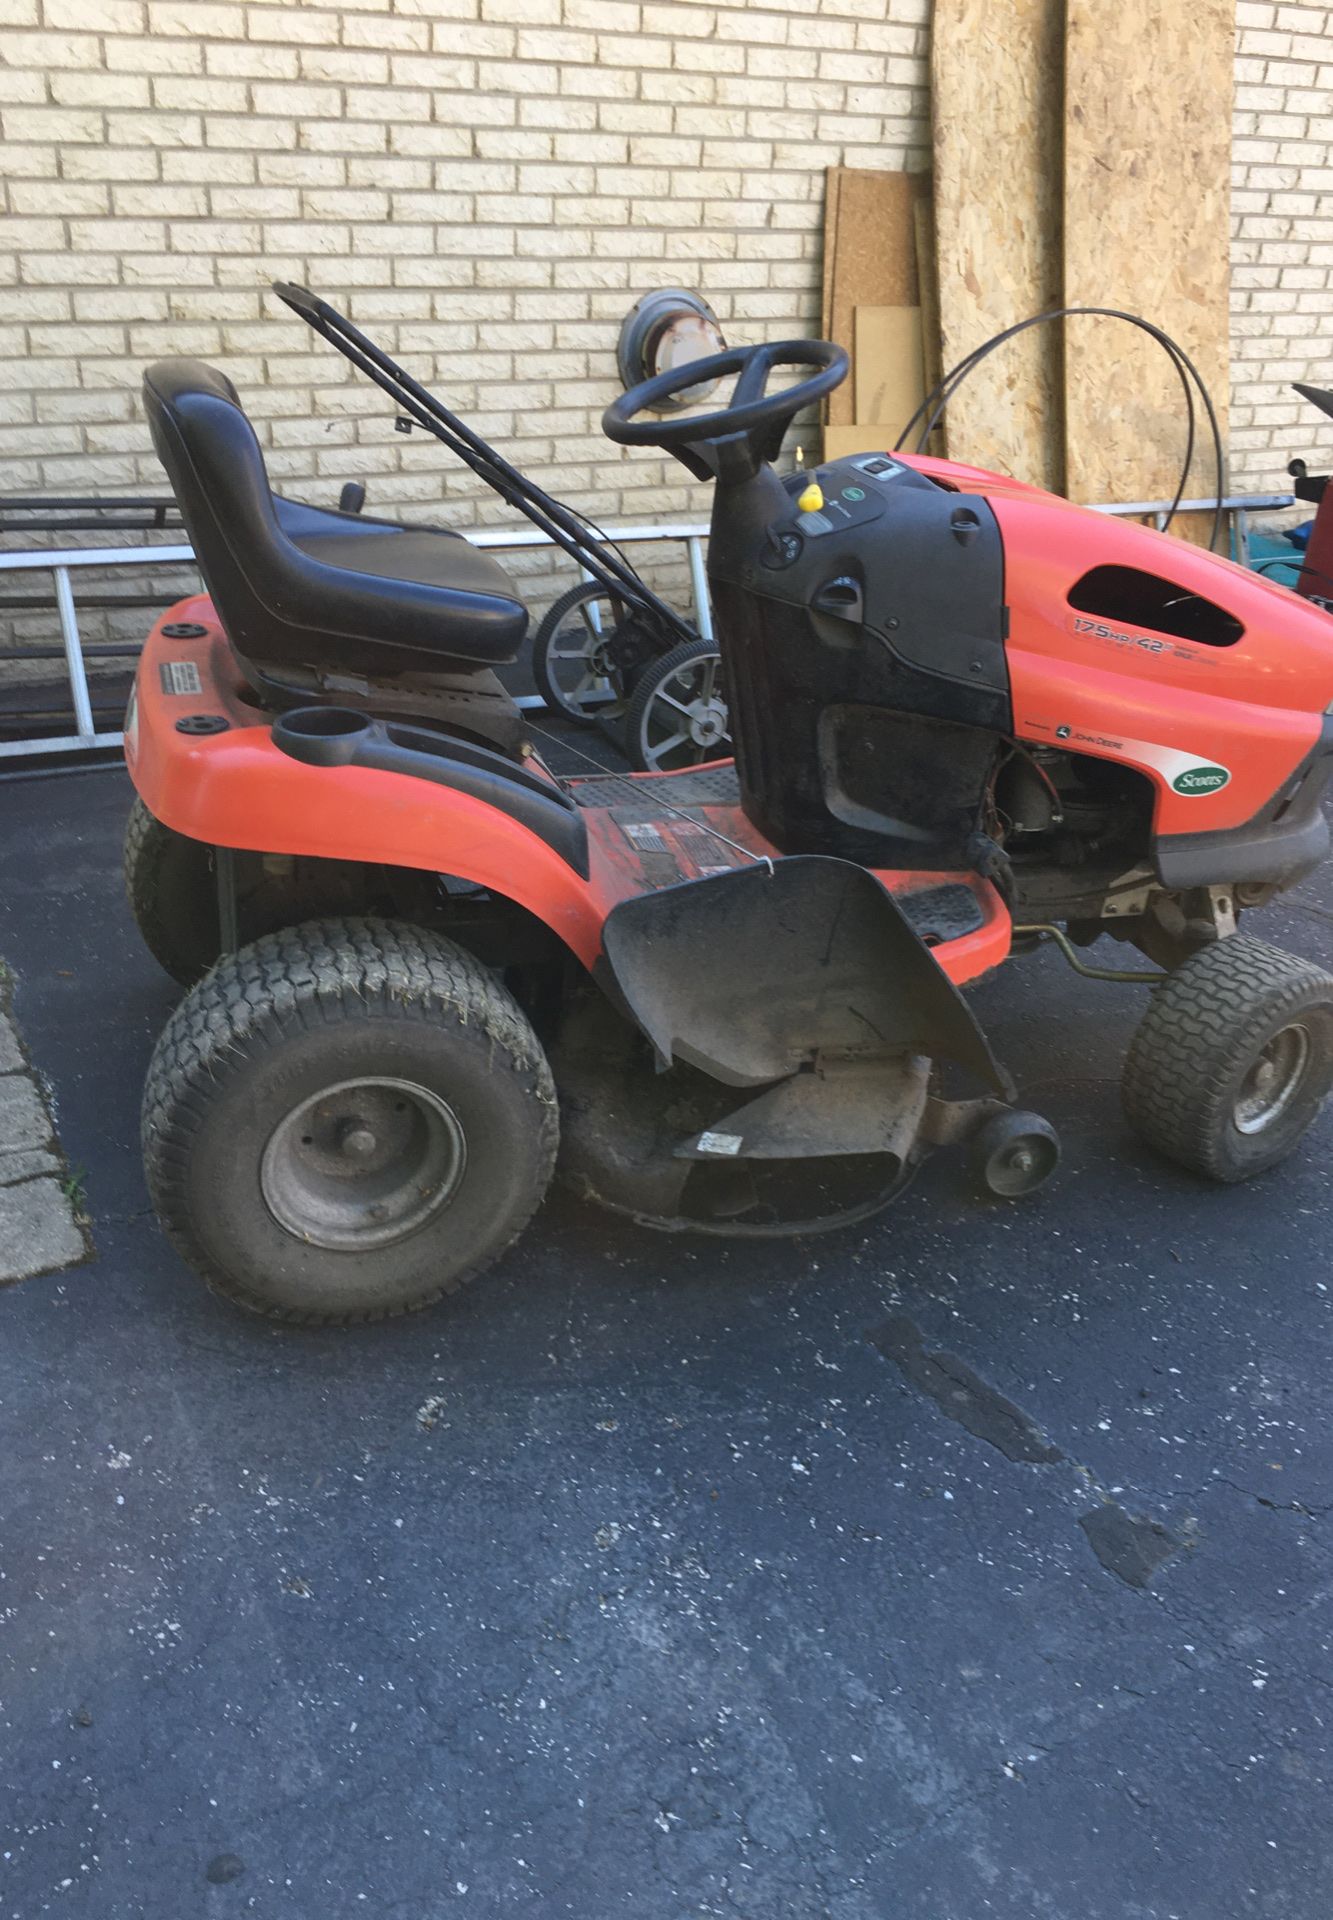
(1015, 1153)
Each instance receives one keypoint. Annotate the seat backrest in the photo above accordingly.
(300, 587)
(217, 473)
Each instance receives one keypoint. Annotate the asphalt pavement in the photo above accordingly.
(973, 1563)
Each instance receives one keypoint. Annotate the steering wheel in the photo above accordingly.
(739, 437)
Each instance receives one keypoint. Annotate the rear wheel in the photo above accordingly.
(172, 893)
(677, 716)
(346, 1120)
(1233, 1059)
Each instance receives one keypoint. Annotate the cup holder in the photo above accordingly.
(322, 736)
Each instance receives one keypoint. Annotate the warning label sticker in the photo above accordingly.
(643, 835)
(180, 676)
(726, 1143)
(673, 850)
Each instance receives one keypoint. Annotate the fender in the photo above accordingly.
(345, 737)
(205, 762)
(235, 787)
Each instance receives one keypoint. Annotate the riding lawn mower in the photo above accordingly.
(969, 718)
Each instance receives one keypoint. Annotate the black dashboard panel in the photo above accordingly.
(927, 564)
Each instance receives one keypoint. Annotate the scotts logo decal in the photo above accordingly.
(1184, 772)
(1195, 780)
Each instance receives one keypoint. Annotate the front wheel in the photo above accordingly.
(677, 715)
(1233, 1059)
(346, 1120)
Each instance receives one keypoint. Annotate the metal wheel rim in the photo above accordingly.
(697, 723)
(1273, 1080)
(585, 633)
(363, 1164)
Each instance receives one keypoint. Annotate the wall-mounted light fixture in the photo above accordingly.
(665, 330)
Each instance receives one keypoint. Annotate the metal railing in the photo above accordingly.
(63, 564)
(1239, 505)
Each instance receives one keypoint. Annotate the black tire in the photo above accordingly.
(680, 694)
(305, 1026)
(1233, 1059)
(172, 892)
(565, 635)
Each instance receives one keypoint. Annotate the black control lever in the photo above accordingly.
(842, 598)
(352, 498)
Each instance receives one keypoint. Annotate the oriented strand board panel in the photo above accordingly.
(1147, 183)
(869, 257)
(932, 366)
(839, 442)
(887, 366)
(832, 194)
(997, 102)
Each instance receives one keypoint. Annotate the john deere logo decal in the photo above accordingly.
(1196, 780)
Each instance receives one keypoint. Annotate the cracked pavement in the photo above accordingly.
(640, 1580)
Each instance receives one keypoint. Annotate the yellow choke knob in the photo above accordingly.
(812, 499)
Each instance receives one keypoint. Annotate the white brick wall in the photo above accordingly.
(1282, 250)
(487, 185)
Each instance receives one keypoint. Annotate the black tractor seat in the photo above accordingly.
(301, 591)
